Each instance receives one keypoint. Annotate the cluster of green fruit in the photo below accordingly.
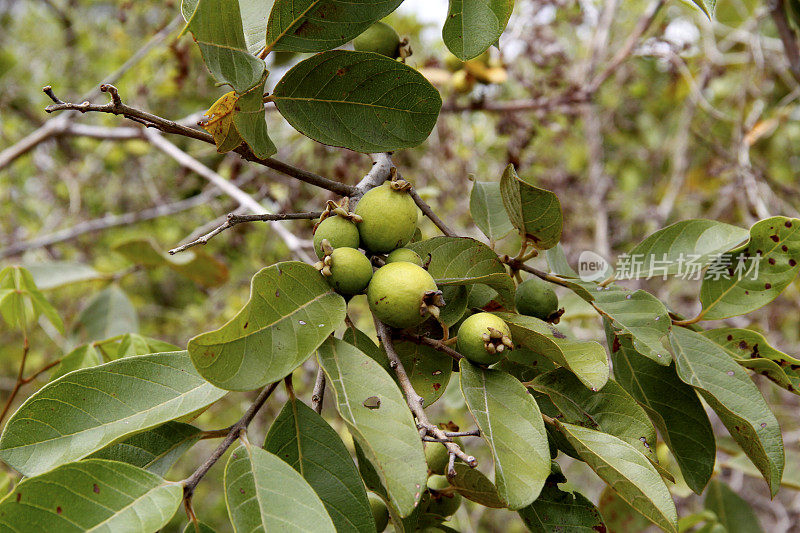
(439, 500)
(400, 293)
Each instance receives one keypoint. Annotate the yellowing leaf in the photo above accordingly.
(218, 121)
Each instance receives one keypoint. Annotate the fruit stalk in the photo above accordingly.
(414, 400)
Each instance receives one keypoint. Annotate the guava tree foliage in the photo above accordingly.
(94, 445)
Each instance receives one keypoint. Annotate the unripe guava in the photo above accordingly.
(351, 271)
(389, 219)
(442, 504)
(482, 337)
(396, 294)
(379, 511)
(404, 254)
(339, 231)
(379, 38)
(536, 298)
(437, 456)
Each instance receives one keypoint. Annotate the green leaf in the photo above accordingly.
(706, 6)
(387, 435)
(358, 100)
(201, 528)
(92, 495)
(88, 409)
(524, 364)
(84, 356)
(610, 410)
(618, 514)
(673, 407)
(556, 510)
(319, 25)
(264, 493)
(472, 26)
(428, 369)
(219, 32)
(109, 313)
(195, 265)
(59, 273)
(751, 350)
(135, 344)
(488, 213)
(511, 424)
(557, 261)
(586, 359)
(682, 248)
(155, 450)
(727, 388)
(474, 486)
(455, 261)
(535, 212)
(626, 471)
(363, 342)
(775, 248)
(733, 511)
(303, 439)
(641, 316)
(250, 121)
(253, 14)
(291, 311)
(21, 302)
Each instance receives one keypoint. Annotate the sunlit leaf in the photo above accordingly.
(264, 493)
(586, 359)
(751, 350)
(388, 436)
(511, 424)
(195, 265)
(88, 409)
(291, 311)
(109, 313)
(727, 388)
(21, 302)
(774, 248)
(683, 248)
(59, 273)
(91, 495)
(626, 471)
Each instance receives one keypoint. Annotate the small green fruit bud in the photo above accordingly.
(472, 342)
(338, 231)
(350, 271)
(379, 38)
(379, 511)
(536, 298)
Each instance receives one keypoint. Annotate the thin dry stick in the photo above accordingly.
(414, 400)
(428, 212)
(318, 396)
(191, 482)
(20, 379)
(234, 219)
(117, 107)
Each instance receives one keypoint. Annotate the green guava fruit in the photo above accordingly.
(437, 456)
(379, 38)
(482, 337)
(339, 231)
(442, 504)
(404, 254)
(379, 511)
(389, 219)
(351, 271)
(396, 293)
(536, 298)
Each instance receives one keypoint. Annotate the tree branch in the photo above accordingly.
(318, 396)
(433, 343)
(117, 107)
(414, 400)
(20, 379)
(191, 482)
(234, 219)
(777, 11)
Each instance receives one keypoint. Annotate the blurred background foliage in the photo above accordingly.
(700, 122)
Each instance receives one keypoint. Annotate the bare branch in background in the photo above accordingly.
(777, 10)
(318, 396)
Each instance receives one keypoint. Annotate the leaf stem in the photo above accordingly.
(20, 380)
